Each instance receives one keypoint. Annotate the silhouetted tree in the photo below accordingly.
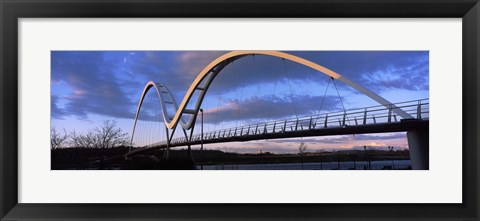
(57, 140)
(302, 149)
(322, 153)
(108, 136)
(353, 157)
(369, 152)
(337, 155)
(391, 152)
(88, 140)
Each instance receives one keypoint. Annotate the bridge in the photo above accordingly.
(410, 116)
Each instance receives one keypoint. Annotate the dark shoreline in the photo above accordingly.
(90, 159)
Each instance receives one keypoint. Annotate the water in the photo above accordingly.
(360, 165)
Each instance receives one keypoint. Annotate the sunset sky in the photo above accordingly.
(88, 87)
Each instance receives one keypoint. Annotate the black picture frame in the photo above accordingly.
(12, 10)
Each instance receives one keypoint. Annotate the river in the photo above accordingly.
(360, 165)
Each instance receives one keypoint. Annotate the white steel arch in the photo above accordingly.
(208, 74)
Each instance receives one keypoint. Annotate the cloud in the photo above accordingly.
(269, 108)
(328, 143)
(175, 69)
(380, 137)
(341, 139)
(395, 69)
(191, 63)
(57, 112)
(95, 86)
(110, 83)
(413, 77)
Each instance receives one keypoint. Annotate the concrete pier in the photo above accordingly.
(418, 142)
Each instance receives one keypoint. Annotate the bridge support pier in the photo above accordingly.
(418, 143)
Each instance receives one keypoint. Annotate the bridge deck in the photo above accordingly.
(403, 125)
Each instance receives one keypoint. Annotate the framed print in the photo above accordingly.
(239, 110)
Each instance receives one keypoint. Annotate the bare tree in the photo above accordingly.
(322, 153)
(353, 157)
(337, 155)
(82, 140)
(369, 152)
(108, 136)
(57, 140)
(302, 149)
(75, 140)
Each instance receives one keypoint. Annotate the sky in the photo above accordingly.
(88, 87)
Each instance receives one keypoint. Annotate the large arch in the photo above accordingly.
(208, 74)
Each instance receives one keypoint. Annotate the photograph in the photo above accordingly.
(239, 110)
(224, 110)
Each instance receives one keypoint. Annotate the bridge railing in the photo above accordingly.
(418, 109)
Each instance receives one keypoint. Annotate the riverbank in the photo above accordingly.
(90, 158)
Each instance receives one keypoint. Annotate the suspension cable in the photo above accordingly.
(323, 99)
(241, 98)
(238, 108)
(341, 101)
(152, 108)
(290, 86)
(273, 94)
(149, 120)
(159, 119)
(218, 106)
(216, 112)
(204, 106)
(154, 118)
(291, 93)
(338, 93)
